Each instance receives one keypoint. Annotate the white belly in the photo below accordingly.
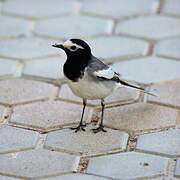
(92, 89)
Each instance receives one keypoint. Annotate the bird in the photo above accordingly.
(89, 78)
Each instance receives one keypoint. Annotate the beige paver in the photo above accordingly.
(165, 142)
(27, 48)
(117, 46)
(87, 143)
(171, 7)
(27, 163)
(119, 8)
(47, 68)
(33, 9)
(129, 165)
(159, 178)
(76, 176)
(168, 93)
(14, 91)
(168, 48)
(7, 67)
(73, 26)
(140, 116)
(148, 70)
(1, 6)
(18, 27)
(8, 178)
(1, 112)
(178, 119)
(177, 169)
(120, 95)
(122, 32)
(48, 115)
(152, 27)
(11, 139)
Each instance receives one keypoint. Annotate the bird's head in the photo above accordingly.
(75, 48)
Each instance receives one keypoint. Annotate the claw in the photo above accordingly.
(79, 128)
(100, 128)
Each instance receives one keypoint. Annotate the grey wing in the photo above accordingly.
(100, 70)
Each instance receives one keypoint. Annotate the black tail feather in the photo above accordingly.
(140, 88)
(127, 84)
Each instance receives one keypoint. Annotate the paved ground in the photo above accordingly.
(140, 39)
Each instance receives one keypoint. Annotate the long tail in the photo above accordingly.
(130, 85)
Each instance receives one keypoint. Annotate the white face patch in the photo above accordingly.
(72, 46)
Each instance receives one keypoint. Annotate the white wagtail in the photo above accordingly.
(88, 77)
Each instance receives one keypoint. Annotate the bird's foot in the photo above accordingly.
(100, 128)
(79, 127)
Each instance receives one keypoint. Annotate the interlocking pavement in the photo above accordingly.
(140, 39)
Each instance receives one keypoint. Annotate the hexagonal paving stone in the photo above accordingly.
(153, 27)
(177, 170)
(11, 139)
(178, 120)
(1, 6)
(8, 178)
(27, 163)
(165, 142)
(48, 115)
(13, 27)
(148, 70)
(114, 46)
(7, 67)
(87, 143)
(168, 93)
(171, 7)
(1, 111)
(129, 165)
(119, 8)
(159, 178)
(27, 48)
(14, 91)
(168, 48)
(73, 26)
(47, 68)
(140, 116)
(76, 176)
(38, 9)
(120, 95)
(174, 178)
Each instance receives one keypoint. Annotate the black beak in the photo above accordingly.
(58, 46)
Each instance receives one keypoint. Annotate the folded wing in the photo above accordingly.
(102, 71)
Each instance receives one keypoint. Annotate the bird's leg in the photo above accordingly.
(81, 125)
(101, 126)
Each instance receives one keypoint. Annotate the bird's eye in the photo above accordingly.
(73, 47)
